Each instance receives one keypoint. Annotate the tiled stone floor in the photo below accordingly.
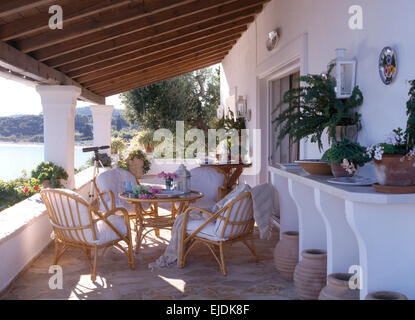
(200, 279)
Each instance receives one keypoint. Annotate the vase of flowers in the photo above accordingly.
(145, 192)
(168, 178)
(394, 159)
(345, 156)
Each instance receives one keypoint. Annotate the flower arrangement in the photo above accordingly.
(168, 177)
(348, 154)
(145, 192)
(395, 143)
(48, 172)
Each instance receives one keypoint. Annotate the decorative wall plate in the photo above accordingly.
(388, 65)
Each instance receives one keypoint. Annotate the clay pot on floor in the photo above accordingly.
(136, 167)
(286, 254)
(338, 288)
(386, 295)
(310, 274)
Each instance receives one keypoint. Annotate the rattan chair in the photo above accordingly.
(234, 222)
(77, 224)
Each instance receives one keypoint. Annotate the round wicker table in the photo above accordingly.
(146, 221)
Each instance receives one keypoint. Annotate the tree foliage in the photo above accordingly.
(192, 98)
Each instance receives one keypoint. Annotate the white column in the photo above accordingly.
(59, 103)
(101, 116)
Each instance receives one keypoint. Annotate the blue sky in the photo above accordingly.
(18, 98)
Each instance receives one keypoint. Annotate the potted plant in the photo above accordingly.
(314, 108)
(168, 177)
(49, 174)
(394, 159)
(344, 157)
(137, 163)
(145, 139)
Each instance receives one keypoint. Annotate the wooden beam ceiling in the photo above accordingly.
(160, 77)
(72, 12)
(125, 61)
(9, 7)
(127, 32)
(20, 63)
(110, 46)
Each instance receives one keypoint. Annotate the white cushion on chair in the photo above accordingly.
(237, 192)
(104, 232)
(207, 181)
(208, 232)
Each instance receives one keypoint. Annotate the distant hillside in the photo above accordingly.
(29, 128)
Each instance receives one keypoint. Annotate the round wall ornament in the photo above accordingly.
(388, 65)
(272, 40)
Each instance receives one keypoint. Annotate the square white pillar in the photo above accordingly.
(59, 103)
(102, 116)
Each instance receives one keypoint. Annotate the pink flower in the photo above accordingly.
(26, 190)
(161, 175)
(36, 188)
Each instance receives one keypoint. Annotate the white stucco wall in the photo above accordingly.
(325, 26)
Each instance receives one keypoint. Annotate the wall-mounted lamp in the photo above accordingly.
(345, 72)
(242, 108)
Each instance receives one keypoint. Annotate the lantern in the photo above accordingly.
(344, 71)
(183, 179)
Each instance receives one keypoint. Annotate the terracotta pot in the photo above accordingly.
(348, 132)
(149, 149)
(386, 295)
(310, 274)
(338, 171)
(286, 254)
(338, 288)
(393, 170)
(317, 167)
(136, 167)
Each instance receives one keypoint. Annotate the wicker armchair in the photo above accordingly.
(76, 224)
(234, 222)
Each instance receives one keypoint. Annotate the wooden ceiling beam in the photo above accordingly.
(24, 65)
(100, 23)
(148, 55)
(133, 52)
(150, 36)
(73, 11)
(159, 64)
(110, 37)
(133, 85)
(9, 7)
(142, 74)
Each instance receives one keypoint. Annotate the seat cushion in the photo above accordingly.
(104, 232)
(237, 192)
(208, 232)
(207, 181)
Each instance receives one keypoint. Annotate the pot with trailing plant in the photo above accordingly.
(145, 139)
(137, 163)
(394, 159)
(312, 109)
(345, 157)
(49, 174)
